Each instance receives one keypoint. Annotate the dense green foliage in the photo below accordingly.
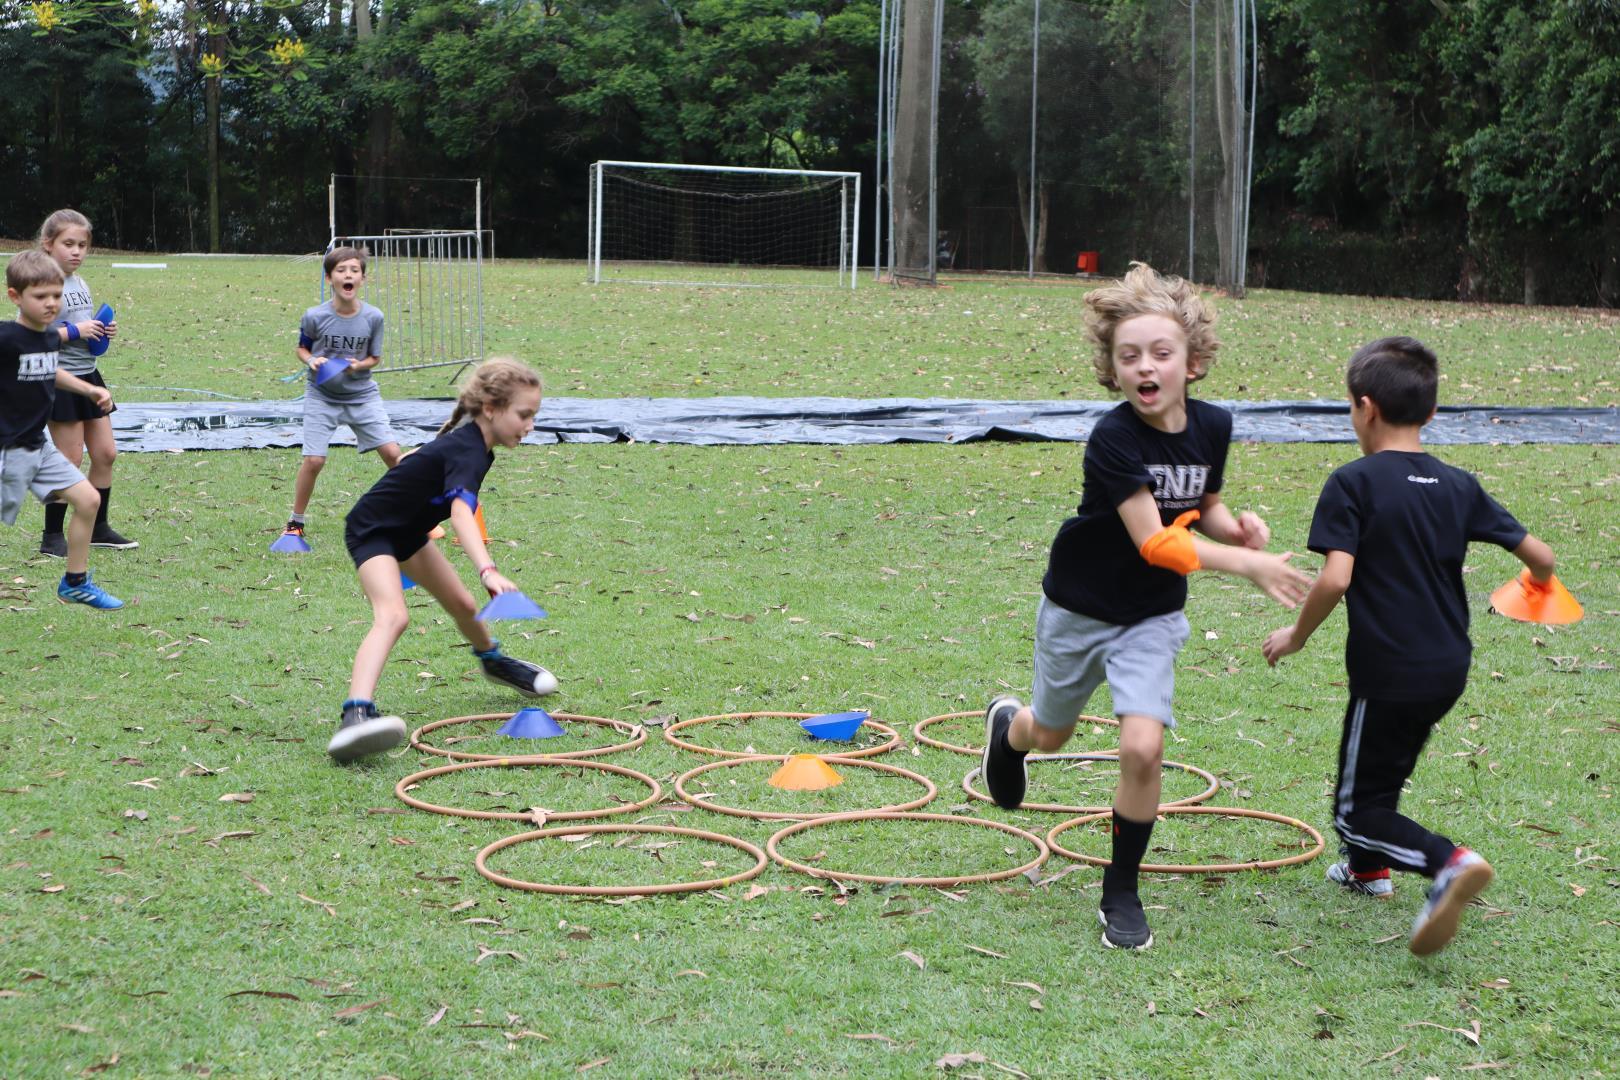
(1452, 149)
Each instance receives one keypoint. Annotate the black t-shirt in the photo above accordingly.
(1094, 568)
(415, 495)
(1407, 518)
(27, 383)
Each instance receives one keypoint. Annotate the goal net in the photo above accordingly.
(657, 223)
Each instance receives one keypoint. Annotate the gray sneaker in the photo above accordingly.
(1376, 884)
(364, 731)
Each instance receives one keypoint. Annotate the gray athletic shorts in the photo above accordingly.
(1074, 654)
(42, 470)
(366, 416)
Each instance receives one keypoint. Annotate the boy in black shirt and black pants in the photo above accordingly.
(1394, 527)
(1116, 582)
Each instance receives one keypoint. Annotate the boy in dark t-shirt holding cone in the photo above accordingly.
(1116, 582)
(1394, 526)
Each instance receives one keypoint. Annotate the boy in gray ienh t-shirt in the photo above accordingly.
(343, 331)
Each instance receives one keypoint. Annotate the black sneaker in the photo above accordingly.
(54, 545)
(520, 675)
(1124, 922)
(363, 732)
(108, 537)
(1005, 775)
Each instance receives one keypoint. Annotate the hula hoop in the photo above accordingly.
(769, 815)
(891, 815)
(972, 751)
(1058, 808)
(1207, 868)
(537, 819)
(623, 727)
(870, 751)
(760, 862)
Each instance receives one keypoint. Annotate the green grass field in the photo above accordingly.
(149, 927)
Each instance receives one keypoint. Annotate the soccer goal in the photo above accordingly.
(656, 223)
(428, 282)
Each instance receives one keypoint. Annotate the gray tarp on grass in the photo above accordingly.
(750, 421)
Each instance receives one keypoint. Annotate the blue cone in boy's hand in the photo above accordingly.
(532, 723)
(329, 370)
(511, 605)
(101, 344)
(840, 726)
(290, 543)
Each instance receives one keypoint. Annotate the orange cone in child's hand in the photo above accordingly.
(804, 772)
(1528, 600)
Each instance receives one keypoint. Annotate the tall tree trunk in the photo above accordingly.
(913, 123)
(379, 126)
(1224, 127)
(1043, 207)
(211, 96)
(1532, 274)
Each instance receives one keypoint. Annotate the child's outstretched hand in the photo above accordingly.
(497, 583)
(92, 329)
(1278, 644)
(1254, 531)
(1278, 580)
(315, 362)
(109, 329)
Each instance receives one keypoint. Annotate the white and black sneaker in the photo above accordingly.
(365, 731)
(1463, 877)
(1125, 924)
(1373, 883)
(520, 675)
(1006, 776)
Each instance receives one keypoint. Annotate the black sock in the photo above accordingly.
(1130, 844)
(75, 580)
(55, 516)
(101, 514)
(1005, 746)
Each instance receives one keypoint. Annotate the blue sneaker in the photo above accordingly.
(89, 593)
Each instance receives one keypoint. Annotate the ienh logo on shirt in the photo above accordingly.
(36, 367)
(1178, 486)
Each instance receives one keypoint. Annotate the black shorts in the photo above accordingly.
(70, 408)
(368, 545)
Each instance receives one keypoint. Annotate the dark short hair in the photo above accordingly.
(1400, 374)
(343, 254)
(32, 267)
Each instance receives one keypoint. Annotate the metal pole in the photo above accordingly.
(331, 212)
(1034, 100)
(1192, 132)
(855, 241)
(1248, 162)
(596, 240)
(896, 15)
(843, 230)
(933, 148)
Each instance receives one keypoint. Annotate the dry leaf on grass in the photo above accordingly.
(101, 1066)
(237, 796)
(914, 958)
(986, 952)
(485, 952)
(328, 908)
(956, 1061)
(593, 1064)
(239, 834)
(436, 1017)
(1471, 1033)
(279, 994)
(755, 891)
(517, 1036)
(354, 1010)
(869, 1036)
(691, 971)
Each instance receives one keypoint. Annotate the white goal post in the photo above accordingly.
(660, 223)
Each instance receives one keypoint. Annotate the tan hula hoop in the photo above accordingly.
(768, 815)
(760, 862)
(1058, 808)
(974, 751)
(870, 751)
(404, 785)
(1209, 868)
(891, 815)
(623, 727)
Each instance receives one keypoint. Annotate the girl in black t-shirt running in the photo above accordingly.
(387, 533)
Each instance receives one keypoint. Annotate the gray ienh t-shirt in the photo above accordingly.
(346, 337)
(74, 357)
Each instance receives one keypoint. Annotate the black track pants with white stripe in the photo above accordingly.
(1377, 753)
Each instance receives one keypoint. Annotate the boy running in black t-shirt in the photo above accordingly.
(1116, 581)
(29, 379)
(387, 533)
(1394, 526)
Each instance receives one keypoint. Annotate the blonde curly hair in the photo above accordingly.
(495, 382)
(1143, 291)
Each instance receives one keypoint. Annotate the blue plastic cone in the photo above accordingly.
(532, 723)
(405, 582)
(101, 344)
(839, 726)
(330, 370)
(290, 543)
(511, 605)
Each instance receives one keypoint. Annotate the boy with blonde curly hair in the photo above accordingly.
(1116, 580)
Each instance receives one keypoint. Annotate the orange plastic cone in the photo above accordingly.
(1529, 600)
(804, 772)
(478, 516)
